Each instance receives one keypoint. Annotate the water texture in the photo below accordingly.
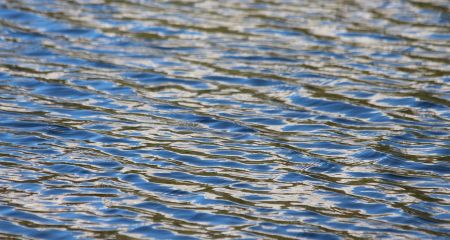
(237, 119)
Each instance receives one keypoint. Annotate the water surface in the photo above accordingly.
(224, 119)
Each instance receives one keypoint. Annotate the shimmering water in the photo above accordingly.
(243, 119)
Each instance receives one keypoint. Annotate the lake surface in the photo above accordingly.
(243, 119)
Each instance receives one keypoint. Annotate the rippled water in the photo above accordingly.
(224, 119)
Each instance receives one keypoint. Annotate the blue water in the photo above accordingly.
(224, 119)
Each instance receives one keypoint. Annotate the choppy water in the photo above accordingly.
(224, 119)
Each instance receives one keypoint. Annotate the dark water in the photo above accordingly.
(224, 119)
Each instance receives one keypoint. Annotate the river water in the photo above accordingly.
(237, 119)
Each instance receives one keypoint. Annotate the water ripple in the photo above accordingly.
(250, 119)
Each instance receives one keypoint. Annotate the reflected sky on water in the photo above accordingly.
(224, 119)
